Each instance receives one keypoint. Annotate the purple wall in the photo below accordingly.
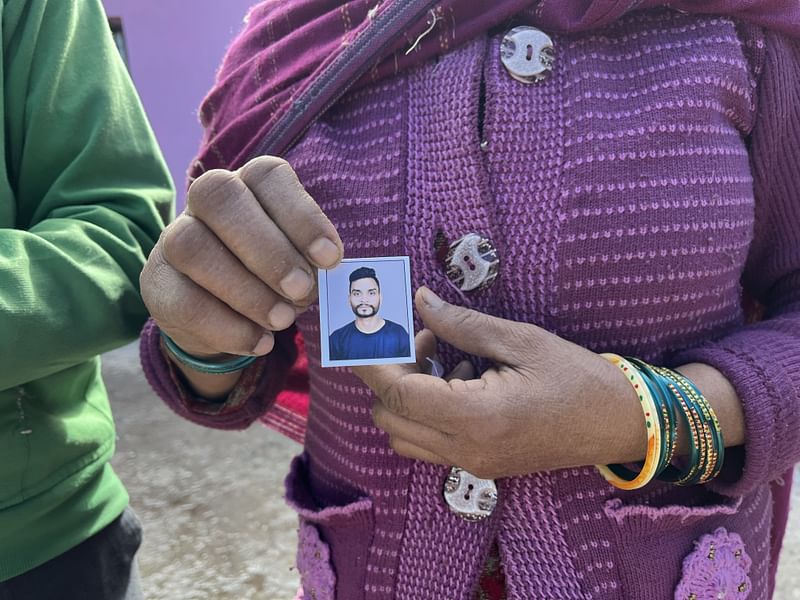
(174, 53)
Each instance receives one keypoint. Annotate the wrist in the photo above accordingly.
(722, 397)
(606, 420)
(624, 431)
(667, 397)
(224, 367)
(212, 387)
(620, 411)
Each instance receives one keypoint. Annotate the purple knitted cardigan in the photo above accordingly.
(632, 197)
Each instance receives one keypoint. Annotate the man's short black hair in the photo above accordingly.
(364, 273)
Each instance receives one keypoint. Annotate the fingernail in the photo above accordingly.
(431, 299)
(464, 369)
(324, 252)
(265, 345)
(297, 284)
(281, 316)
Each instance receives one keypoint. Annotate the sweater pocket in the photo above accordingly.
(642, 517)
(665, 533)
(333, 540)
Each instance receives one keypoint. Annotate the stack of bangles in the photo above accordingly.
(666, 396)
(204, 366)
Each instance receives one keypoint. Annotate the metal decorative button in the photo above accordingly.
(527, 53)
(470, 498)
(472, 263)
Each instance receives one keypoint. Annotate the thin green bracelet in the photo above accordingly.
(710, 428)
(685, 475)
(211, 368)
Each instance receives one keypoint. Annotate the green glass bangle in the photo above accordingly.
(711, 428)
(685, 475)
(710, 444)
(210, 368)
(695, 475)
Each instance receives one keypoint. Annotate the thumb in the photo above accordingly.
(473, 332)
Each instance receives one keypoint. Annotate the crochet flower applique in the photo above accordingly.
(717, 569)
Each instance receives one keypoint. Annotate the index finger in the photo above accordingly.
(422, 398)
(276, 187)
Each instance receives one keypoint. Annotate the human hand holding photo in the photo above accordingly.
(238, 265)
(546, 404)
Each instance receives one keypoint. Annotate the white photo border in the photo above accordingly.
(324, 316)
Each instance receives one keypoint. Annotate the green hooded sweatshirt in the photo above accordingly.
(84, 195)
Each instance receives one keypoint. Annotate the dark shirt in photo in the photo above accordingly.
(390, 341)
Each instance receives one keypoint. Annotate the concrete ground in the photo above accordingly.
(216, 527)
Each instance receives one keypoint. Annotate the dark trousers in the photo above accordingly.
(101, 568)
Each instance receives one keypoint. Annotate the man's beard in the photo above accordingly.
(373, 310)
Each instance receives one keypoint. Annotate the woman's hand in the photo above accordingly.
(547, 403)
(240, 262)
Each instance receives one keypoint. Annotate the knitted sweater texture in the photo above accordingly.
(633, 197)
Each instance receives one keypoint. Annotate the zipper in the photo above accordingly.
(339, 76)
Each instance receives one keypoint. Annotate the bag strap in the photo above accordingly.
(342, 72)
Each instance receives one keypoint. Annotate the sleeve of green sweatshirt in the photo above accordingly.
(84, 191)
